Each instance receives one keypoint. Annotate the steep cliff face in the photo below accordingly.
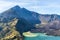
(49, 24)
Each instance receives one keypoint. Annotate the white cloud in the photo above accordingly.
(5, 5)
(40, 6)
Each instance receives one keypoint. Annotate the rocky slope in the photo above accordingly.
(9, 31)
(27, 21)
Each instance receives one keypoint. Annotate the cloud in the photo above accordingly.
(5, 5)
(40, 6)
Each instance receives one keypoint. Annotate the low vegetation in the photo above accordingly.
(8, 31)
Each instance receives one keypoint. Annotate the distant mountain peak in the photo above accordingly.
(16, 6)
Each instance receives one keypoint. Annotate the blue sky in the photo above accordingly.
(39, 6)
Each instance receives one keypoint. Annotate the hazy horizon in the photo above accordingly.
(39, 6)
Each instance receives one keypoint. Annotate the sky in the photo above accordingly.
(39, 6)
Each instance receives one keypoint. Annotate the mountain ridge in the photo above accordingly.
(26, 17)
(28, 20)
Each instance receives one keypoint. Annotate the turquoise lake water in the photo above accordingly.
(43, 37)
